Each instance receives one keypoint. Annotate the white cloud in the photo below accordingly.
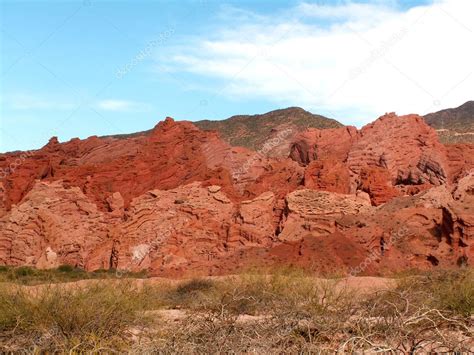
(347, 11)
(356, 61)
(122, 106)
(30, 102)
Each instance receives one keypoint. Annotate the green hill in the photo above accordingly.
(252, 131)
(454, 125)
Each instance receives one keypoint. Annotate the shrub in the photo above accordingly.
(448, 290)
(64, 273)
(190, 293)
(293, 312)
(67, 268)
(83, 318)
(195, 285)
(287, 311)
(23, 271)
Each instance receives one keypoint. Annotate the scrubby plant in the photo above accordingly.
(64, 273)
(74, 316)
(282, 311)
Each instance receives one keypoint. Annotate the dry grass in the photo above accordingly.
(286, 312)
(57, 318)
(293, 313)
(26, 275)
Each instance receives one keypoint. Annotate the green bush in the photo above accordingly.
(23, 271)
(194, 285)
(64, 273)
(67, 268)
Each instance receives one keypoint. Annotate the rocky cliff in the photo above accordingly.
(181, 201)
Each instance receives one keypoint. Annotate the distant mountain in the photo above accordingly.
(251, 131)
(454, 125)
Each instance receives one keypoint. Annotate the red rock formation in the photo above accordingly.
(52, 226)
(327, 175)
(377, 182)
(460, 160)
(181, 201)
(172, 155)
(405, 146)
(314, 213)
(385, 158)
(323, 144)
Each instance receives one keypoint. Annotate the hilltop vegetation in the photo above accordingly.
(454, 125)
(251, 131)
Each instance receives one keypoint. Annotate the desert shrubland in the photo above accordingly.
(284, 311)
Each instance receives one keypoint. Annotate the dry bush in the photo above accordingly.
(189, 294)
(396, 321)
(295, 313)
(26, 275)
(425, 312)
(261, 313)
(450, 290)
(287, 311)
(61, 318)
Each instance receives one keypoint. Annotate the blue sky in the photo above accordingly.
(82, 68)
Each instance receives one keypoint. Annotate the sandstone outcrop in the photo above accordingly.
(314, 213)
(323, 144)
(327, 175)
(392, 156)
(53, 225)
(405, 147)
(181, 201)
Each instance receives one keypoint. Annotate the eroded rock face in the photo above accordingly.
(186, 228)
(180, 201)
(327, 175)
(392, 156)
(328, 144)
(171, 229)
(463, 220)
(314, 213)
(195, 229)
(404, 146)
(52, 226)
(460, 159)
